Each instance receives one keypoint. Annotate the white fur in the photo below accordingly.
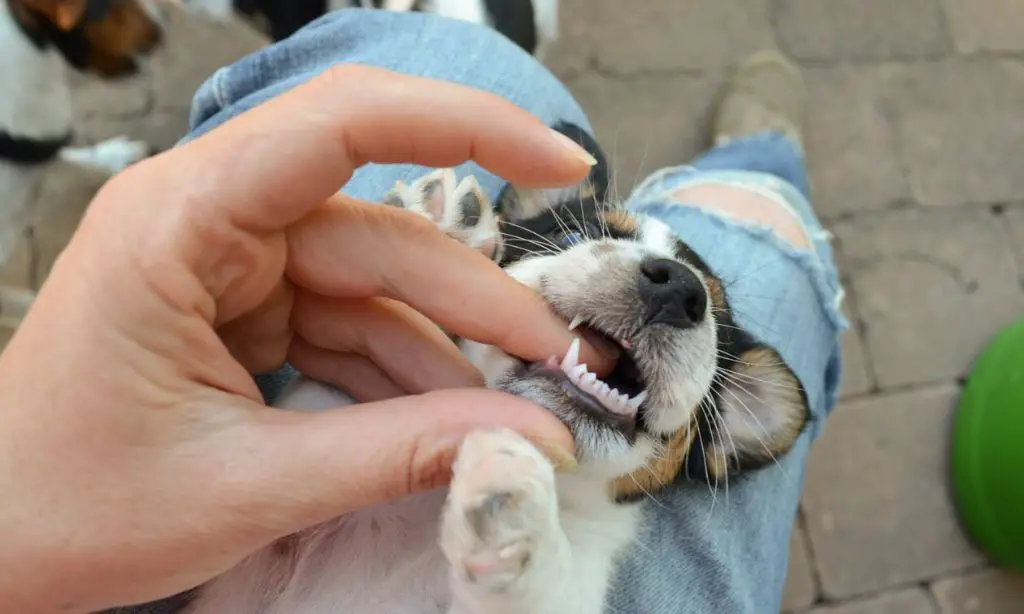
(35, 102)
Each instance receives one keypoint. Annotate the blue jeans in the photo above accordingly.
(702, 552)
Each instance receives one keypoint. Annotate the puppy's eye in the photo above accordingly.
(569, 239)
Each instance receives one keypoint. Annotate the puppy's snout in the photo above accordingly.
(672, 293)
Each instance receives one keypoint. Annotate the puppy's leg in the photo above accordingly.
(111, 156)
(460, 209)
(500, 531)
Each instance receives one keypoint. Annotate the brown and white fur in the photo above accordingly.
(512, 535)
(40, 41)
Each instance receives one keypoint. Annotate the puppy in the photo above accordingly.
(531, 24)
(693, 396)
(39, 41)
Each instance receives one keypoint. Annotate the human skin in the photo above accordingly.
(138, 457)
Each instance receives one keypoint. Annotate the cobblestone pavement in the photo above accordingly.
(917, 122)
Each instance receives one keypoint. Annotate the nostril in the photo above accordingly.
(660, 271)
(695, 304)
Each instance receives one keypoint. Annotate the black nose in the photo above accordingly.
(672, 293)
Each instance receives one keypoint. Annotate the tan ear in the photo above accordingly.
(761, 409)
(65, 14)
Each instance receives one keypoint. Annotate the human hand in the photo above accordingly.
(138, 458)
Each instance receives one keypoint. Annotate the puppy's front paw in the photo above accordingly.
(112, 155)
(501, 505)
(460, 209)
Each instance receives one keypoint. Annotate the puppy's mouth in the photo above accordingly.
(616, 400)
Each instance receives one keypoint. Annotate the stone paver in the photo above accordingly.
(857, 377)
(66, 193)
(861, 29)
(958, 122)
(875, 499)
(985, 592)
(912, 601)
(851, 151)
(801, 590)
(630, 37)
(986, 25)
(932, 287)
(17, 271)
(640, 134)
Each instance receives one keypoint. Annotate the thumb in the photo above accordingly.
(318, 466)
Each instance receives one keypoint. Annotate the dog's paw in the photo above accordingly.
(112, 155)
(501, 506)
(460, 209)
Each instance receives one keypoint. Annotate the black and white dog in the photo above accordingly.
(531, 24)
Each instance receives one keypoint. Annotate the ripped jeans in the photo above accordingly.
(702, 552)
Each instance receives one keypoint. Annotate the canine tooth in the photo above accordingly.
(578, 372)
(575, 322)
(638, 399)
(626, 344)
(572, 357)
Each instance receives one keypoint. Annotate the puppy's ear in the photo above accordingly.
(760, 409)
(64, 14)
(518, 204)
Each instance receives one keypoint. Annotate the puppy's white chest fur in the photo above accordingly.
(512, 538)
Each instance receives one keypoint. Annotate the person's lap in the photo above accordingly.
(703, 550)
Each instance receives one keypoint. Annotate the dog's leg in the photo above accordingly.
(111, 156)
(460, 209)
(501, 533)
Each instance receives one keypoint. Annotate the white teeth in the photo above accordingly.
(575, 322)
(612, 400)
(572, 357)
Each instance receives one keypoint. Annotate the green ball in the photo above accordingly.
(988, 450)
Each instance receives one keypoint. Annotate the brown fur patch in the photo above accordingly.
(715, 292)
(124, 32)
(659, 471)
(621, 221)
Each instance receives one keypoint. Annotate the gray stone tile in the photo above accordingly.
(911, 601)
(665, 35)
(94, 97)
(178, 70)
(573, 50)
(1014, 217)
(17, 271)
(67, 191)
(958, 124)
(645, 122)
(160, 129)
(875, 497)
(800, 591)
(851, 152)
(861, 29)
(857, 378)
(986, 592)
(932, 287)
(986, 25)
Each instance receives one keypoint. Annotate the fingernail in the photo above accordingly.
(572, 146)
(561, 459)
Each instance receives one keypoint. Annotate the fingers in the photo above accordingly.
(404, 345)
(354, 373)
(332, 462)
(412, 262)
(273, 164)
(259, 339)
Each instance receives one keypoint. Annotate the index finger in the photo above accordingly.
(291, 153)
(352, 249)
